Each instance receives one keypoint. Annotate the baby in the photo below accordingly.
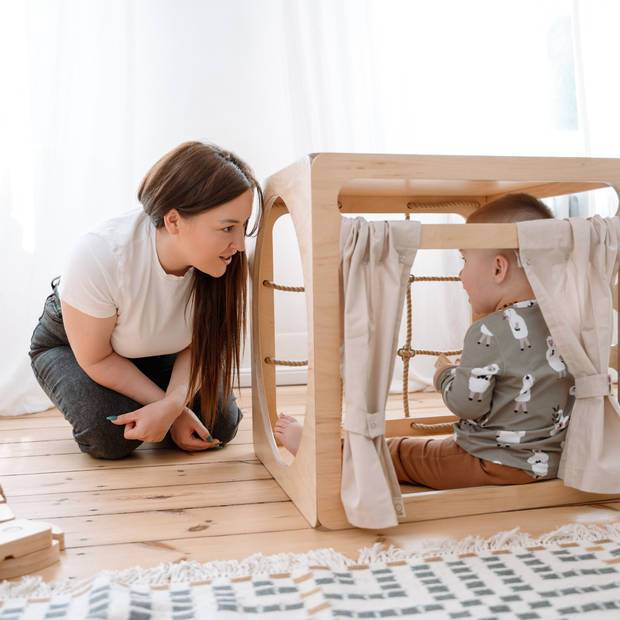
(510, 388)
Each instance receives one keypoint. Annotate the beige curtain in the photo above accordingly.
(376, 259)
(571, 265)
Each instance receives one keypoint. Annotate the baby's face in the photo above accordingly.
(477, 278)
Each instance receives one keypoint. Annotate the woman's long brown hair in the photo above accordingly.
(192, 178)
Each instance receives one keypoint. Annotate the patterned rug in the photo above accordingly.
(568, 573)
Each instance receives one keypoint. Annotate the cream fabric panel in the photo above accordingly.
(571, 265)
(376, 259)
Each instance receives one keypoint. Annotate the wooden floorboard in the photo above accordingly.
(143, 477)
(156, 525)
(164, 505)
(138, 500)
(139, 458)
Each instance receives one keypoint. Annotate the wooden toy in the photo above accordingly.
(57, 534)
(315, 191)
(6, 514)
(27, 546)
(22, 536)
(30, 563)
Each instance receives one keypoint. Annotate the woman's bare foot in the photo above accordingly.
(288, 431)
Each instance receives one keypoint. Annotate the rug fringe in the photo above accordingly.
(33, 587)
(511, 540)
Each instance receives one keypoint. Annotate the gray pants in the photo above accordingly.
(86, 404)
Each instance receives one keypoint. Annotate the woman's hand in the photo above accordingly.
(149, 423)
(190, 434)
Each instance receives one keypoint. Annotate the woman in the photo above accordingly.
(142, 334)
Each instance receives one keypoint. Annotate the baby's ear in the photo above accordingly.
(501, 265)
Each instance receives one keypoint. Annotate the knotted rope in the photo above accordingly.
(446, 204)
(281, 287)
(275, 362)
(405, 352)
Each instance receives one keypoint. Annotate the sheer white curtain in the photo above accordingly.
(67, 156)
(96, 90)
(447, 77)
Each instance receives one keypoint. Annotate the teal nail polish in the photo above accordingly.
(112, 417)
(209, 438)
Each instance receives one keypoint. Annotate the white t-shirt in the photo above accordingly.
(114, 270)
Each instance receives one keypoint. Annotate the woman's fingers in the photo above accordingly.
(131, 431)
(201, 431)
(207, 442)
(194, 442)
(189, 433)
(130, 421)
(198, 427)
(204, 434)
(124, 418)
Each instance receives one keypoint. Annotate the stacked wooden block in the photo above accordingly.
(26, 546)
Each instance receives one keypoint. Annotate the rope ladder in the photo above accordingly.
(406, 353)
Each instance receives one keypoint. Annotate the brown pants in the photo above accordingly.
(442, 464)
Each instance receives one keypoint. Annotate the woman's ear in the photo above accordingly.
(172, 221)
(501, 265)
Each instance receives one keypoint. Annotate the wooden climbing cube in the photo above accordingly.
(315, 191)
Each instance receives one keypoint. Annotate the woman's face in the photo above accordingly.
(209, 240)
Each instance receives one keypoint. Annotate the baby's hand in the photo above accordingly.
(442, 361)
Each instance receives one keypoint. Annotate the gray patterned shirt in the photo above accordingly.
(511, 390)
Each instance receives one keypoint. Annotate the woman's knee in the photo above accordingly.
(99, 446)
(97, 436)
(227, 421)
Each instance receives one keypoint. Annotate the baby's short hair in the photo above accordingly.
(511, 208)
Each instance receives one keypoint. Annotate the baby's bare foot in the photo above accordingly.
(288, 431)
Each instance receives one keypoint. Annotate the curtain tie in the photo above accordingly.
(368, 424)
(592, 386)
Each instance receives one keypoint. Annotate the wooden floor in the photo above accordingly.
(167, 505)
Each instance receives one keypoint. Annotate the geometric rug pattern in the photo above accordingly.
(558, 580)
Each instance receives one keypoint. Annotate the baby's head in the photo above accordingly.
(495, 277)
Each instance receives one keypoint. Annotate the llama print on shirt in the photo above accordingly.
(518, 327)
(539, 462)
(560, 421)
(505, 439)
(486, 336)
(554, 360)
(523, 398)
(480, 380)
